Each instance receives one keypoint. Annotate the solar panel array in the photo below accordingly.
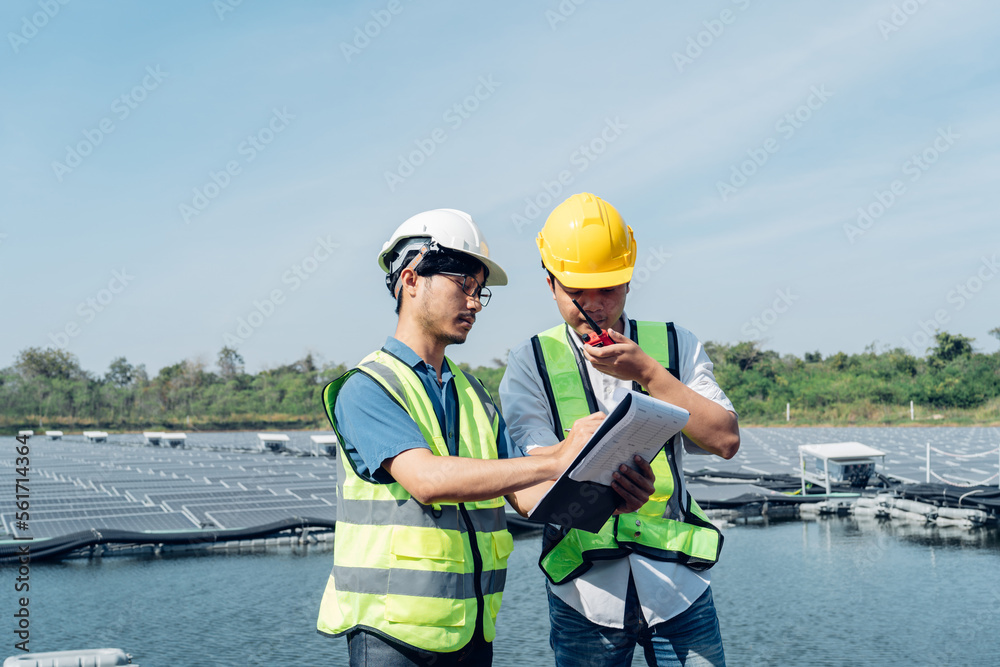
(775, 451)
(75, 485)
(124, 484)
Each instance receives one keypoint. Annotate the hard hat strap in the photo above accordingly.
(424, 249)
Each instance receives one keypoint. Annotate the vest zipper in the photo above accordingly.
(477, 567)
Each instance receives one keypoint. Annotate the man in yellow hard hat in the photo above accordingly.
(643, 578)
(421, 546)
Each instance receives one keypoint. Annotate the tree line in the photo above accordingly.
(47, 388)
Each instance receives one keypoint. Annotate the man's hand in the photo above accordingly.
(577, 437)
(624, 360)
(633, 486)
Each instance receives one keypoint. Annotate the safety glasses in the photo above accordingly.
(471, 287)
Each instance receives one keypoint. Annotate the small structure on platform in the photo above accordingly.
(153, 438)
(275, 442)
(328, 443)
(174, 439)
(96, 436)
(27, 433)
(54, 435)
(843, 462)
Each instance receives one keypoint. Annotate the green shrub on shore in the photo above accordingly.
(47, 389)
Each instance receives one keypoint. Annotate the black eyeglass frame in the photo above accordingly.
(479, 292)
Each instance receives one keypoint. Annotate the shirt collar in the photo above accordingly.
(404, 353)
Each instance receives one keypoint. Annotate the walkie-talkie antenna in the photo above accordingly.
(590, 320)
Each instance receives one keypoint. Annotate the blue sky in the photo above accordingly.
(171, 169)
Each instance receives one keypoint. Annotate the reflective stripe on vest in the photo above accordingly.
(670, 526)
(424, 575)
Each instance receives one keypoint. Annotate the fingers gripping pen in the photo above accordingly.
(600, 337)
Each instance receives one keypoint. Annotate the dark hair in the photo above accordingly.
(551, 276)
(443, 261)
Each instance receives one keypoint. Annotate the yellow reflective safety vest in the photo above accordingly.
(670, 526)
(428, 576)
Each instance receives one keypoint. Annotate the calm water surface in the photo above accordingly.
(829, 592)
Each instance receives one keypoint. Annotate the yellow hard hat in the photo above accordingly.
(586, 244)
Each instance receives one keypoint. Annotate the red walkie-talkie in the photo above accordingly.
(600, 337)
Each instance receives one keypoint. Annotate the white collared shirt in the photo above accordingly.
(665, 589)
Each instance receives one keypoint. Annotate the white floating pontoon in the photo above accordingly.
(54, 435)
(92, 657)
(96, 436)
(153, 437)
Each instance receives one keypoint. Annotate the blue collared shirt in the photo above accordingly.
(374, 428)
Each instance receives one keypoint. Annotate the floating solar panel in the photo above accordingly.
(261, 517)
(80, 513)
(175, 501)
(154, 521)
(198, 512)
(67, 503)
(316, 488)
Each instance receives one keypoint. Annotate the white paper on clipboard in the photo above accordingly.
(642, 428)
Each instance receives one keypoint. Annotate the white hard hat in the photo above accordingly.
(449, 228)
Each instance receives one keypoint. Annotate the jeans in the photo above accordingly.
(690, 638)
(369, 649)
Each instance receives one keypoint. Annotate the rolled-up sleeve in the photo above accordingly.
(698, 373)
(374, 428)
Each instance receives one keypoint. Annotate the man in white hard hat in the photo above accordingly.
(421, 544)
(643, 578)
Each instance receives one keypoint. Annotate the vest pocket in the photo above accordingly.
(503, 547)
(426, 548)
(426, 578)
(437, 612)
